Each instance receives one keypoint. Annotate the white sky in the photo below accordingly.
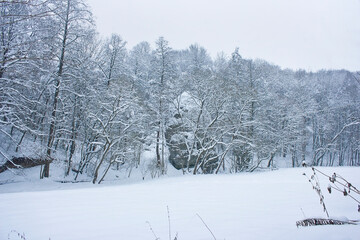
(307, 34)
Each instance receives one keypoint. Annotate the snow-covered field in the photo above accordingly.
(263, 205)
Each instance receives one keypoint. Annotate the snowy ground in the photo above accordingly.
(262, 205)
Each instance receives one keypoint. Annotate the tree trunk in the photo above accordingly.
(107, 169)
(51, 136)
(19, 143)
(73, 136)
(96, 173)
(158, 158)
(163, 151)
(271, 160)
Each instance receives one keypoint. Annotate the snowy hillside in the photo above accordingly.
(263, 205)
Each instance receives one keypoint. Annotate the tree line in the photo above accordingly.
(95, 105)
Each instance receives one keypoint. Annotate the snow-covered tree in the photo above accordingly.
(162, 78)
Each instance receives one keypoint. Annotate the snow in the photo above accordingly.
(262, 205)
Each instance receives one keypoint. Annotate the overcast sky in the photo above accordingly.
(307, 34)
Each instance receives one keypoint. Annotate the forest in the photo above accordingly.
(94, 105)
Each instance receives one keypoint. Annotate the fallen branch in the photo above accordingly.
(23, 162)
(324, 221)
